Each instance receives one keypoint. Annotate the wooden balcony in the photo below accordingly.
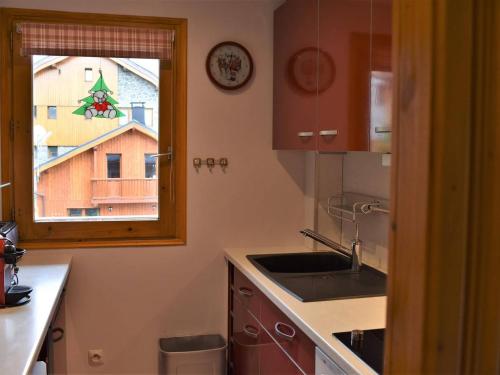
(124, 190)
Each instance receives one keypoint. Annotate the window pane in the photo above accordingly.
(52, 112)
(138, 113)
(114, 161)
(150, 166)
(75, 212)
(88, 75)
(52, 151)
(92, 212)
(93, 146)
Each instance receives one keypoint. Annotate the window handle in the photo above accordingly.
(168, 154)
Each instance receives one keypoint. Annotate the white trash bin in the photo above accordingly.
(193, 355)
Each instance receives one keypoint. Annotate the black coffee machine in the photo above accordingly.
(11, 294)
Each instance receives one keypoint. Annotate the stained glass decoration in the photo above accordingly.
(100, 103)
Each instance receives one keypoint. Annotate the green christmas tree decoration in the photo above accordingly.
(100, 103)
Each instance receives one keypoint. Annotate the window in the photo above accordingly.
(92, 211)
(88, 75)
(52, 112)
(52, 151)
(100, 167)
(74, 211)
(150, 166)
(114, 164)
(138, 111)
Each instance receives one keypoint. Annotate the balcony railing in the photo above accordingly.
(125, 190)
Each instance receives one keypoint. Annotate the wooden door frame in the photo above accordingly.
(443, 309)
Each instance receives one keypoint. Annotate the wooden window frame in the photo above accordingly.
(171, 228)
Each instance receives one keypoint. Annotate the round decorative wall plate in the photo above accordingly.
(311, 69)
(229, 65)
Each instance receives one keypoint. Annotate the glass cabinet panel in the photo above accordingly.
(381, 77)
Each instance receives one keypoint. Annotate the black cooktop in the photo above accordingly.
(369, 347)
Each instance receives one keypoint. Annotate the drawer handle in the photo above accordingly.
(246, 292)
(251, 331)
(279, 332)
(382, 129)
(305, 134)
(330, 133)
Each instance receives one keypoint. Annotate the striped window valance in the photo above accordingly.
(95, 40)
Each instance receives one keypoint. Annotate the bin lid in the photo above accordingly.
(192, 343)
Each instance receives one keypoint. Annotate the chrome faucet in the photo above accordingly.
(354, 253)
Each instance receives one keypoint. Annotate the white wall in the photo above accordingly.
(123, 300)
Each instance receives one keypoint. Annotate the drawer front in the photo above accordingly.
(246, 340)
(273, 360)
(247, 293)
(289, 336)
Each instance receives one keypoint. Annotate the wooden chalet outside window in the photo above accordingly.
(94, 191)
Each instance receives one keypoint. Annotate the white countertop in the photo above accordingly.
(317, 319)
(23, 328)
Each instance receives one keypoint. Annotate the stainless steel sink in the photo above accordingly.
(320, 276)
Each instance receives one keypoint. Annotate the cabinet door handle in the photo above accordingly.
(57, 334)
(328, 132)
(305, 134)
(382, 129)
(251, 331)
(279, 332)
(246, 292)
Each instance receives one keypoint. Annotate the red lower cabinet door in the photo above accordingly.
(246, 340)
(273, 361)
(289, 336)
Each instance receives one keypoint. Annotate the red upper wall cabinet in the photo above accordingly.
(331, 56)
(295, 81)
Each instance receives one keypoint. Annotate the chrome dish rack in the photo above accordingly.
(348, 205)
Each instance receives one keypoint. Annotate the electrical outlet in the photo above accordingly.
(96, 357)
